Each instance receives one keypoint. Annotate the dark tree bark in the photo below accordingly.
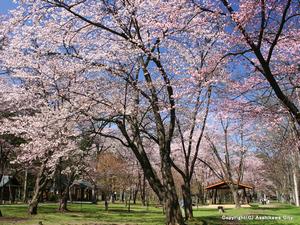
(123, 195)
(142, 186)
(187, 149)
(25, 186)
(264, 59)
(171, 204)
(33, 205)
(134, 195)
(1, 175)
(106, 204)
(63, 202)
(187, 200)
(40, 183)
(11, 197)
(130, 125)
(201, 194)
(129, 200)
(94, 194)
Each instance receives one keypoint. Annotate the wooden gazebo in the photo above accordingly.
(219, 192)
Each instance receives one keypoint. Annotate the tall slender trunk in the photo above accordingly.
(2, 195)
(296, 190)
(1, 176)
(187, 200)
(1, 191)
(94, 194)
(135, 194)
(123, 196)
(10, 194)
(104, 196)
(143, 190)
(201, 194)
(25, 186)
(129, 200)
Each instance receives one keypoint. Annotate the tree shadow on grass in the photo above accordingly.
(122, 216)
(275, 209)
(11, 219)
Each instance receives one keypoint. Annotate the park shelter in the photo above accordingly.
(9, 188)
(81, 190)
(219, 192)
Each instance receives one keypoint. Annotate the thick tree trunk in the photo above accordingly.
(32, 208)
(236, 197)
(63, 202)
(172, 208)
(40, 183)
(187, 200)
(165, 190)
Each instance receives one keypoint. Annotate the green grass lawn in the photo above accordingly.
(256, 215)
(88, 214)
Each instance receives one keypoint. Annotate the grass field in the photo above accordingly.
(87, 214)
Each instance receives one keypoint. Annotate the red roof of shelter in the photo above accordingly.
(224, 185)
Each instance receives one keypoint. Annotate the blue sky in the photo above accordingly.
(6, 5)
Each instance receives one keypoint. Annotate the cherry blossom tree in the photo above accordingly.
(44, 120)
(193, 102)
(263, 36)
(228, 151)
(278, 147)
(140, 73)
(130, 46)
